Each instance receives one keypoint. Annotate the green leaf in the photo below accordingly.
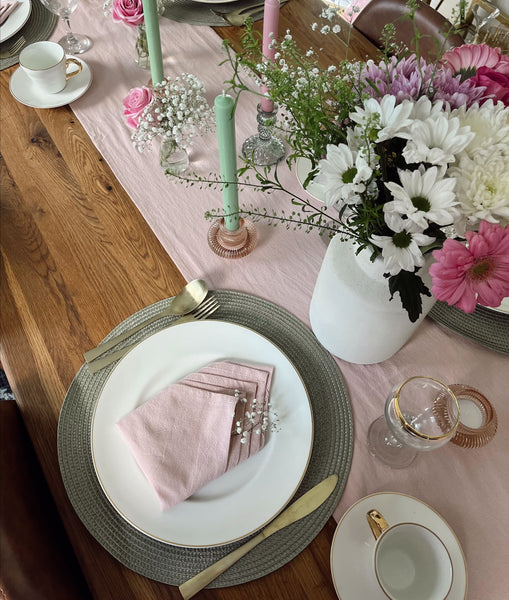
(410, 287)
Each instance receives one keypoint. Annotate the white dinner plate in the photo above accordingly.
(353, 545)
(243, 499)
(15, 20)
(27, 93)
(503, 308)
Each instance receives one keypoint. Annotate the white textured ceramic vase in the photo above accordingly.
(351, 312)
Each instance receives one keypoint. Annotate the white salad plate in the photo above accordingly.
(27, 93)
(353, 545)
(243, 499)
(15, 20)
(503, 308)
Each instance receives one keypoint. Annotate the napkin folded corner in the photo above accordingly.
(195, 430)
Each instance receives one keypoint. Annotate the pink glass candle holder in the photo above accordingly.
(232, 244)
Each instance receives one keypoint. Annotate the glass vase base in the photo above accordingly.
(232, 244)
(262, 152)
(383, 446)
(174, 160)
(75, 44)
(142, 61)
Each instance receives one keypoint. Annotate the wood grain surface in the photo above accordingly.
(76, 259)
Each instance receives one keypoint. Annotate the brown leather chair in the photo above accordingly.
(37, 561)
(432, 25)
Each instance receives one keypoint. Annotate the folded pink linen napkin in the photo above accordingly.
(195, 430)
(6, 8)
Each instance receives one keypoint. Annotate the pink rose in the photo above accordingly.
(135, 103)
(496, 84)
(129, 12)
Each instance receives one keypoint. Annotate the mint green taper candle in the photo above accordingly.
(225, 124)
(151, 16)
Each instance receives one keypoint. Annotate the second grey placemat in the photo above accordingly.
(204, 13)
(484, 326)
(332, 453)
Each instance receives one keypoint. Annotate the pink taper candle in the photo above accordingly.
(270, 29)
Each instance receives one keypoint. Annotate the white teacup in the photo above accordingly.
(46, 66)
(410, 561)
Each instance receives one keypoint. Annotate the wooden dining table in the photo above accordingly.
(72, 241)
(78, 258)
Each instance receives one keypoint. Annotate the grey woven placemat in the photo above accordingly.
(40, 26)
(198, 13)
(332, 452)
(484, 326)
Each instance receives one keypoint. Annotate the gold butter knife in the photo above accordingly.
(302, 507)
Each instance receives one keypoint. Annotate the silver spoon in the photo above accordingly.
(187, 300)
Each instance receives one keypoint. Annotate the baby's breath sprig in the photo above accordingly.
(313, 101)
(258, 418)
(178, 112)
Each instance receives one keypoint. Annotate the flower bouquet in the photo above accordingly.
(413, 157)
(175, 110)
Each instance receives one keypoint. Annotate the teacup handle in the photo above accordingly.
(74, 61)
(377, 522)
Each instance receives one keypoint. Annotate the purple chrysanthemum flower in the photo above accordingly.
(404, 80)
(458, 93)
(400, 78)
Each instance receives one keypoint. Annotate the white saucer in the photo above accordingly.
(25, 92)
(353, 543)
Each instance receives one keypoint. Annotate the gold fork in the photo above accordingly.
(202, 312)
(14, 49)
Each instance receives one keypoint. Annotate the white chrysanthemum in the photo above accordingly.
(436, 140)
(424, 108)
(402, 251)
(384, 116)
(343, 175)
(482, 187)
(490, 124)
(423, 197)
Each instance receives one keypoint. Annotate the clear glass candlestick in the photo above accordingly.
(264, 148)
(421, 414)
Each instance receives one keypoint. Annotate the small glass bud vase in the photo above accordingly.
(141, 49)
(264, 149)
(173, 158)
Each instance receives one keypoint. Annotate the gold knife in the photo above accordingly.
(302, 507)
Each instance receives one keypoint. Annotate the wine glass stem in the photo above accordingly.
(70, 35)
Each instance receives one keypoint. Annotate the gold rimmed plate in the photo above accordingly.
(244, 499)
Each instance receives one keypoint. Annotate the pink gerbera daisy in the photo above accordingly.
(474, 274)
(466, 59)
